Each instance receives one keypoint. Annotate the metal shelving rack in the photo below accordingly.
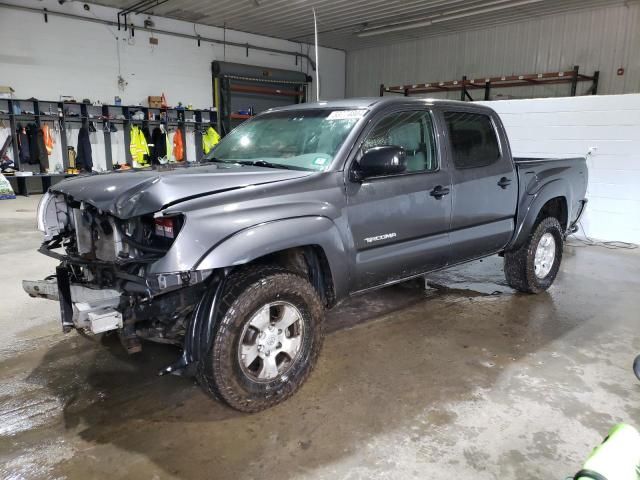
(66, 113)
(464, 85)
(237, 85)
(103, 115)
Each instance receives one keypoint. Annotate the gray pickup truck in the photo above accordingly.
(235, 259)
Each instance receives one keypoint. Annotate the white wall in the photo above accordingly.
(608, 125)
(78, 58)
(595, 39)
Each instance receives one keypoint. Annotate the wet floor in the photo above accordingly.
(465, 379)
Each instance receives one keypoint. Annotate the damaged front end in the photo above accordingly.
(103, 282)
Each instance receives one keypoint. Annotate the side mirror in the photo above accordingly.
(380, 161)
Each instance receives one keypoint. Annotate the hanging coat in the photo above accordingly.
(32, 137)
(147, 138)
(84, 158)
(209, 140)
(24, 153)
(168, 141)
(43, 156)
(178, 146)
(48, 139)
(158, 138)
(138, 147)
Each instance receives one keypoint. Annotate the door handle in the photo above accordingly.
(439, 191)
(504, 182)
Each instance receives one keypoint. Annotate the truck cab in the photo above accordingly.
(455, 200)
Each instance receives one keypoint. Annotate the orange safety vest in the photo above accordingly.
(48, 139)
(178, 146)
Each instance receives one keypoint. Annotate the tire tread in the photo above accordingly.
(241, 286)
(518, 263)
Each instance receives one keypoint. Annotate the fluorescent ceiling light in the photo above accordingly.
(445, 17)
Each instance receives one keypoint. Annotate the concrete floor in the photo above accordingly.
(469, 380)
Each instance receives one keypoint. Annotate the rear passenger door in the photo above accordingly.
(484, 185)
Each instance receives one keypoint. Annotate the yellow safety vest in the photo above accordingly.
(209, 140)
(138, 147)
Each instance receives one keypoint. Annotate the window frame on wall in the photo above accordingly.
(452, 147)
(427, 114)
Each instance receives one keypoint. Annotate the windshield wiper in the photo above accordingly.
(263, 163)
(214, 160)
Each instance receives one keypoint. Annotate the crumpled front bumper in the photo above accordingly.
(81, 307)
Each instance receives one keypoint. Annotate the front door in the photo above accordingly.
(400, 222)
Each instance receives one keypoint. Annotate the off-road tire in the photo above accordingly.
(220, 373)
(519, 264)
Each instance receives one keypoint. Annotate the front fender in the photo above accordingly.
(531, 204)
(259, 240)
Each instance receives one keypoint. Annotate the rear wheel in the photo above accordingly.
(533, 267)
(267, 341)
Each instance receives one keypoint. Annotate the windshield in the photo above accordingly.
(298, 139)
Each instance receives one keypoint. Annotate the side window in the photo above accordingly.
(411, 130)
(473, 139)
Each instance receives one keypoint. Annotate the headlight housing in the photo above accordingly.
(42, 208)
(51, 216)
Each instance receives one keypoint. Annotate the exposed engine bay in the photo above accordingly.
(103, 283)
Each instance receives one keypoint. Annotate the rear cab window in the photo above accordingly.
(474, 142)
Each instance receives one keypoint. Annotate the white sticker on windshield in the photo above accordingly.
(346, 114)
(320, 161)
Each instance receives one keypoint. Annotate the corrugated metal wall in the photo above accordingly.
(597, 39)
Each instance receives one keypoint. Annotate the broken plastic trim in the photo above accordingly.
(199, 335)
(174, 280)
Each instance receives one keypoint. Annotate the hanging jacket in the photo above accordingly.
(48, 139)
(144, 146)
(84, 158)
(24, 153)
(168, 142)
(32, 138)
(178, 146)
(147, 138)
(43, 156)
(209, 140)
(138, 147)
(159, 145)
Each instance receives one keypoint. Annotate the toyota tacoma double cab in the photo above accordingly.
(236, 258)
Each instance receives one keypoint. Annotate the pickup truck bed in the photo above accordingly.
(566, 175)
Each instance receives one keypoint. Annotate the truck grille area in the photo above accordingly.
(106, 251)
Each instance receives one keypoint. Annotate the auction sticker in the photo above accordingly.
(346, 114)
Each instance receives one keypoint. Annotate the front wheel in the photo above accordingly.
(533, 267)
(267, 341)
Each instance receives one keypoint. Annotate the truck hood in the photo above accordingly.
(131, 193)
